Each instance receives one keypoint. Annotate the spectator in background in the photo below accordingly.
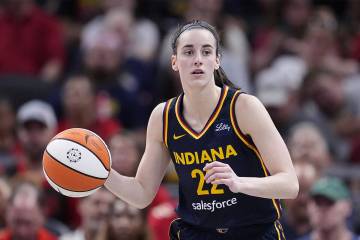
(323, 28)
(31, 41)
(37, 124)
(129, 82)
(81, 109)
(353, 31)
(125, 154)
(140, 35)
(103, 55)
(352, 89)
(296, 14)
(272, 38)
(24, 216)
(296, 222)
(5, 192)
(307, 145)
(278, 89)
(329, 209)
(332, 107)
(126, 222)
(7, 138)
(94, 211)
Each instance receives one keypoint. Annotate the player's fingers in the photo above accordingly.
(218, 176)
(221, 181)
(215, 170)
(213, 164)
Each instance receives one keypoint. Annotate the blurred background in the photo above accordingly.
(104, 64)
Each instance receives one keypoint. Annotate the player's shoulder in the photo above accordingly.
(156, 121)
(157, 112)
(249, 112)
(248, 102)
(160, 108)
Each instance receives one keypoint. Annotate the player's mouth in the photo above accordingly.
(197, 72)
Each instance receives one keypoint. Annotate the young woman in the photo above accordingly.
(232, 164)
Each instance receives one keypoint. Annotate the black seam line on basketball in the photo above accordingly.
(86, 148)
(65, 187)
(73, 168)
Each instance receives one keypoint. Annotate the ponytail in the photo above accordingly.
(221, 79)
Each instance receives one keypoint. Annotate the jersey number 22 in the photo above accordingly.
(200, 189)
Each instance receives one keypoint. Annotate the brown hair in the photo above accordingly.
(220, 77)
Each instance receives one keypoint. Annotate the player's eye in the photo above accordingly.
(206, 52)
(188, 52)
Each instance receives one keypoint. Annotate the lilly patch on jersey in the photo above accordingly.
(222, 127)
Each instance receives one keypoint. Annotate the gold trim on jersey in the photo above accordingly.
(249, 145)
(212, 118)
(278, 231)
(281, 229)
(166, 121)
(178, 232)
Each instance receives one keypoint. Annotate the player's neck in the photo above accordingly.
(199, 104)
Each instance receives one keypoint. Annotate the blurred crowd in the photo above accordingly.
(104, 64)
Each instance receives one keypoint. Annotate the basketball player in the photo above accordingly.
(232, 164)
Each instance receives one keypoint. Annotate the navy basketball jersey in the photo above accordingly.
(221, 139)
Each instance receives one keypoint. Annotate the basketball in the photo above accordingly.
(76, 162)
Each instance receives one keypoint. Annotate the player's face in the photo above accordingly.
(196, 57)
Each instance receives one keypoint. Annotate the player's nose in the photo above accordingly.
(198, 59)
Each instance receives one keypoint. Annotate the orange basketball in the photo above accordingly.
(76, 162)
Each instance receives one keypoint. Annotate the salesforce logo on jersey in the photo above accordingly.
(212, 206)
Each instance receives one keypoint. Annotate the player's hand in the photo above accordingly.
(221, 173)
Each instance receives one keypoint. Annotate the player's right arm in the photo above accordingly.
(140, 190)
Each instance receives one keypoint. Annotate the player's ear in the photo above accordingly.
(174, 63)
(217, 62)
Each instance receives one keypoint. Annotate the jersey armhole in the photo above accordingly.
(246, 139)
(166, 121)
(243, 137)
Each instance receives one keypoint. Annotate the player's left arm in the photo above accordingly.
(254, 120)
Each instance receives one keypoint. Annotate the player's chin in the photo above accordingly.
(198, 81)
(198, 77)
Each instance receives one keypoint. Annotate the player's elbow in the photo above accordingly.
(145, 201)
(294, 189)
(141, 205)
